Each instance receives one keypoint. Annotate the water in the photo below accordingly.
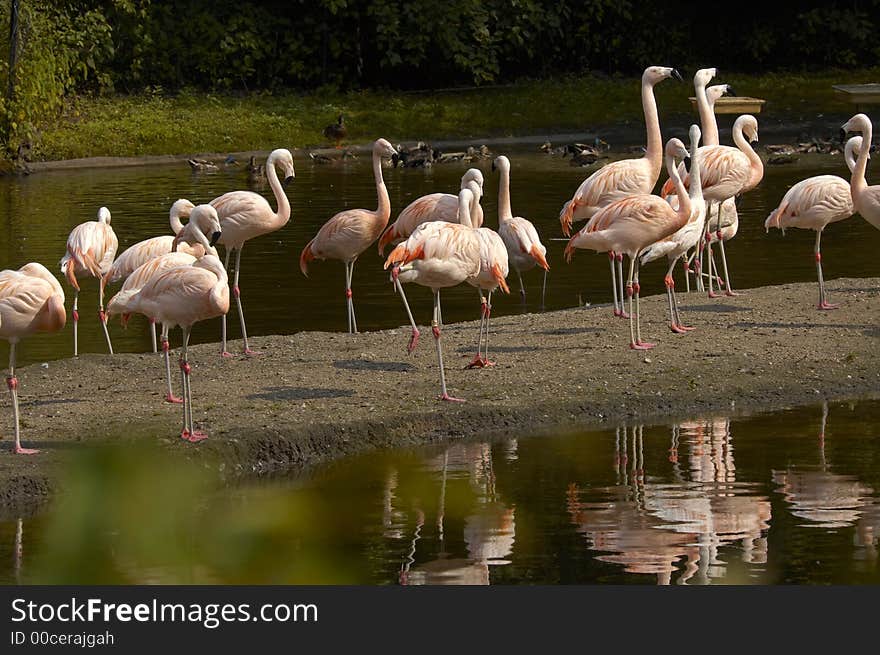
(780, 498)
(38, 212)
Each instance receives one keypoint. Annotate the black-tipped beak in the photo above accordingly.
(687, 164)
(288, 180)
(493, 166)
(394, 159)
(677, 75)
(215, 238)
(842, 135)
(731, 92)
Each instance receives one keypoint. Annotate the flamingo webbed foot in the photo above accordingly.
(226, 354)
(825, 305)
(446, 397)
(18, 450)
(252, 353)
(641, 345)
(171, 398)
(413, 342)
(197, 435)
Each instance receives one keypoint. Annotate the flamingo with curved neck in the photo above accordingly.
(866, 199)
(625, 177)
(632, 224)
(350, 232)
(245, 215)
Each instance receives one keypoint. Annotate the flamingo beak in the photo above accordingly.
(677, 75)
(288, 180)
(215, 238)
(730, 91)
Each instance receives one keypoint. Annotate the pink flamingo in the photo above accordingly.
(632, 224)
(31, 300)
(433, 207)
(437, 255)
(623, 178)
(726, 172)
(524, 247)
(245, 215)
(676, 245)
(350, 232)
(91, 247)
(184, 296)
(866, 199)
(814, 203)
(141, 252)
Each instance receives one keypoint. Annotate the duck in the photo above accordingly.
(336, 131)
(256, 173)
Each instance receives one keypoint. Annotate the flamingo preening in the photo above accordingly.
(632, 224)
(623, 178)
(436, 255)
(91, 247)
(433, 207)
(813, 204)
(350, 232)
(245, 215)
(866, 199)
(31, 301)
(524, 247)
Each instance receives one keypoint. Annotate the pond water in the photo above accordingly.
(37, 213)
(779, 498)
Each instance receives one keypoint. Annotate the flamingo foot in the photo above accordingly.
(617, 312)
(18, 450)
(252, 353)
(477, 362)
(450, 399)
(227, 354)
(413, 342)
(171, 398)
(825, 305)
(641, 345)
(686, 328)
(731, 292)
(623, 314)
(712, 294)
(185, 435)
(197, 436)
(678, 329)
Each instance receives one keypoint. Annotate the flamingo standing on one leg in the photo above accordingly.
(677, 244)
(814, 203)
(195, 231)
(184, 296)
(623, 178)
(350, 232)
(91, 247)
(866, 199)
(245, 215)
(524, 247)
(632, 224)
(31, 300)
(433, 207)
(437, 255)
(726, 172)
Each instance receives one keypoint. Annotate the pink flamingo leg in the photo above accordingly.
(12, 384)
(823, 301)
(435, 328)
(189, 432)
(153, 334)
(223, 351)
(619, 258)
(477, 361)
(75, 323)
(236, 291)
(102, 316)
(169, 396)
(414, 337)
(728, 289)
(349, 274)
(642, 345)
(617, 303)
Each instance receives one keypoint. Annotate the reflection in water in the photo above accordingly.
(650, 526)
(489, 530)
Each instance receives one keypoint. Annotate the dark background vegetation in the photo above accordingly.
(129, 46)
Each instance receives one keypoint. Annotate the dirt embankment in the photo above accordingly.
(314, 396)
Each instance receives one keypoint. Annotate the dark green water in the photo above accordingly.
(38, 212)
(780, 498)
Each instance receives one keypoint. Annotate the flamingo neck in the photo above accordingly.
(383, 211)
(858, 183)
(708, 122)
(282, 216)
(465, 199)
(654, 151)
(504, 211)
(684, 201)
(176, 224)
(755, 163)
(696, 182)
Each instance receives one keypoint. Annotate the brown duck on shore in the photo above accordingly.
(336, 131)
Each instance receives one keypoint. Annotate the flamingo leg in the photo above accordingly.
(619, 258)
(823, 300)
(544, 290)
(641, 345)
(75, 323)
(12, 384)
(486, 359)
(102, 316)
(169, 397)
(439, 313)
(350, 298)
(236, 291)
(414, 338)
(435, 328)
(153, 334)
(629, 295)
(223, 351)
(728, 289)
(348, 295)
(522, 289)
(676, 324)
(194, 435)
(686, 263)
(478, 361)
(617, 308)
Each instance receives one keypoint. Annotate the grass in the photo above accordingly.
(156, 124)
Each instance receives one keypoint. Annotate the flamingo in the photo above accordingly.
(814, 203)
(524, 247)
(632, 224)
(866, 199)
(31, 300)
(726, 172)
(677, 244)
(433, 207)
(350, 232)
(623, 178)
(141, 252)
(436, 255)
(184, 296)
(91, 247)
(245, 215)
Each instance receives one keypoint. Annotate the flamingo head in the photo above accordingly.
(716, 91)
(858, 123)
(749, 126)
(655, 74)
(282, 158)
(501, 163)
(104, 215)
(384, 149)
(472, 175)
(675, 149)
(181, 209)
(703, 76)
(694, 135)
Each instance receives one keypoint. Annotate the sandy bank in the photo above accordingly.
(315, 396)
